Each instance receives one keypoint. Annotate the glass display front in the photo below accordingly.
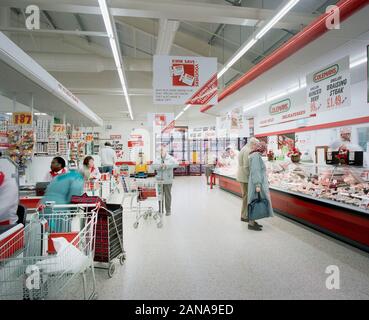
(345, 186)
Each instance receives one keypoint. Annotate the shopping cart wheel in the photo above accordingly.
(146, 216)
(155, 216)
(135, 225)
(122, 258)
(111, 270)
(160, 225)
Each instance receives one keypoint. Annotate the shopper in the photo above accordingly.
(9, 195)
(258, 181)
(63, 187)
(210, 164)
(164, 166)
(58, 167)
(243, 174)
(90, 172)
(108, 158)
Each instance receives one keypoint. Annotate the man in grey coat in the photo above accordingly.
(164, 166)
(243, 174)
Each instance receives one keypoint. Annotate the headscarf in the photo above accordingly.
(260, 147)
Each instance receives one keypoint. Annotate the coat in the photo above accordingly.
(165, 175)
(258, 178)
(63, 187)
(243, 170)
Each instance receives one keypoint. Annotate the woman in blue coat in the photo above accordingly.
(258, 181)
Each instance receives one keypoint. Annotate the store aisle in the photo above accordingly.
(205, 252)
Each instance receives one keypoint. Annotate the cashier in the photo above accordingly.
(57, 168)
(8, 196)
(90, 171)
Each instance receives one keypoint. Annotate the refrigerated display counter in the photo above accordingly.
(331, 199)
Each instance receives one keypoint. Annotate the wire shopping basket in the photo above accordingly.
(52, 257)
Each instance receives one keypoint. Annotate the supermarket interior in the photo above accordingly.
(184, 150)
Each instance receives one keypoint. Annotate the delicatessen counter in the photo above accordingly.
(331, 199)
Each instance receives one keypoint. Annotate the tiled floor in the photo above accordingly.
(205, 252)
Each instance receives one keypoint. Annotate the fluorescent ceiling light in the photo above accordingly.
(116, 52)
(9, 113)
(358, 62)
(187, 107)
(276, 18)
(179, 115)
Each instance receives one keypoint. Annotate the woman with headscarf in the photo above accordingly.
(258, 181)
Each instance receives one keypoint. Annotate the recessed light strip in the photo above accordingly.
(116, 52)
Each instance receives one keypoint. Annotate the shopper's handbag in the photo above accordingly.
(258, 208)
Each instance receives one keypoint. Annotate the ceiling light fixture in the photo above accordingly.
(109, 26)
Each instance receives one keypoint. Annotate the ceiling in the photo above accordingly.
(71, 45)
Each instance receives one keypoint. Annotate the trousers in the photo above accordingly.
(167, 198)
(244, 188)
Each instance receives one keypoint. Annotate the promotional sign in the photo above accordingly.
(89, 138)
(115, 137)
(132, 144)
(330, 87)
(185, 80)
(288, 109)
(22, 118)
(4, 140)
(59, 128)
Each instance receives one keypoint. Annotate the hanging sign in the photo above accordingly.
(185, 80)
(169, 128)
(89, 138)
(22, 118)
(115, 137)
(288, 109)
(59, 128)
(330, 87)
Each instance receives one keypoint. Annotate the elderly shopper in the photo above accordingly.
(243, 174)
(164, 166)
(258, 181)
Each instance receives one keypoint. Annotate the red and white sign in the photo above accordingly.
(4, 140)
(185, 80)
(132, 144)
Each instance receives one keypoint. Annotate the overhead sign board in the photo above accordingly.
(185, 80)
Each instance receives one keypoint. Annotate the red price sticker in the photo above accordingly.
(22, 118)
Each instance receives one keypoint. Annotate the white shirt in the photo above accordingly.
(108, 156)
(8, 197)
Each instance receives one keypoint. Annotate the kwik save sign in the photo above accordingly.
(330, 87)
(288, 109)
(185, 80)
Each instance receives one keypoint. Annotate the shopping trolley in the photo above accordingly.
(109, 233)
(48, 258)
(149, 189)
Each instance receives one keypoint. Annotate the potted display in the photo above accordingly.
(270, 155)
(295, 155)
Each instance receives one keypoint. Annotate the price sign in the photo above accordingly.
(59, 128)
(89, 138)
(22, 118)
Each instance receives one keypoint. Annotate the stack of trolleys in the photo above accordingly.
(47, 258)
(109, 234)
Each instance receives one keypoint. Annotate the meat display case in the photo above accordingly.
(331, 199)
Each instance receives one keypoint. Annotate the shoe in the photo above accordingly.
(259, 225)
(168, 214)
(254, 227)
(244, 220)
